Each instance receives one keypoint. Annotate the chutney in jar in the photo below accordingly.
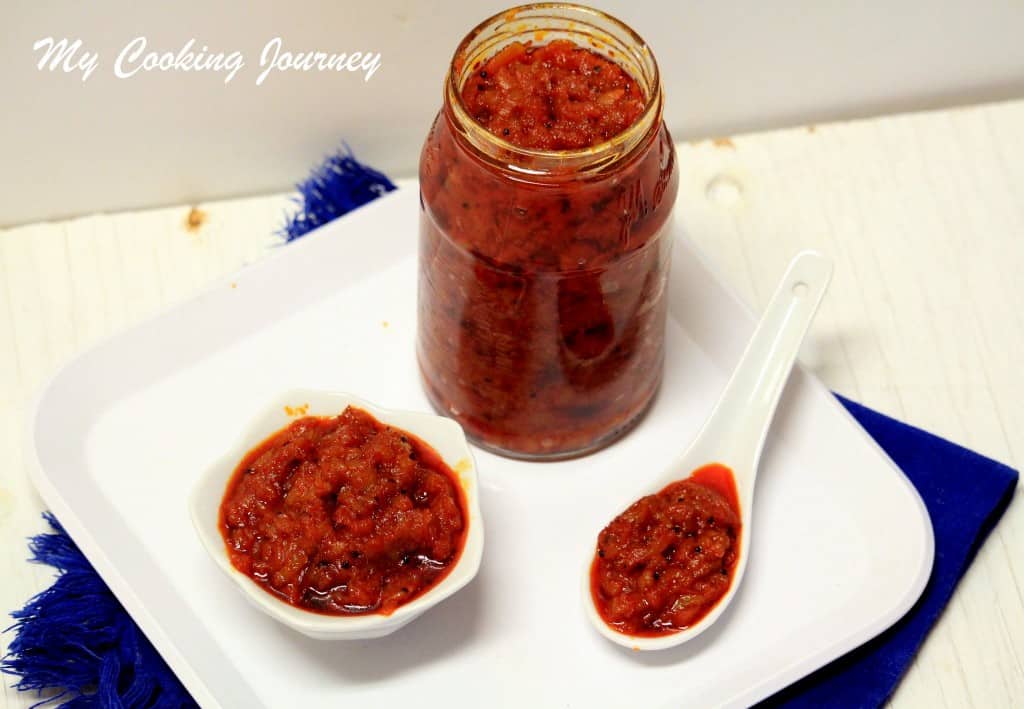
(547, 183)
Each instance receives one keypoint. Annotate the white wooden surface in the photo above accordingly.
(728, 65)
(924, 215)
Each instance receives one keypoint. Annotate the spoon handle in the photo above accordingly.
(739, 422)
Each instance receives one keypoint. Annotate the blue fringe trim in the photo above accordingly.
(74, 640)
(77, 640)
(339, 185)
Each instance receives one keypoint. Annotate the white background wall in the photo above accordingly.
(70, 147)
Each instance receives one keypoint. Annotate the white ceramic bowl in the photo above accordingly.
(443, 434)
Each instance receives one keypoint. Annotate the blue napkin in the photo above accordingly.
(75, 639)
(965, 494)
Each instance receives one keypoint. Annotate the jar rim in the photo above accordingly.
(586, 20)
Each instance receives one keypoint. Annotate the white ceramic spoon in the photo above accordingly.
(734, 433)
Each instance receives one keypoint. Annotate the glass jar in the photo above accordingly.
(543, 274)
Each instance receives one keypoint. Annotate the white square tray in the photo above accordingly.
(842, 545)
